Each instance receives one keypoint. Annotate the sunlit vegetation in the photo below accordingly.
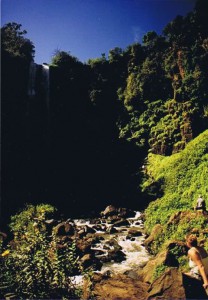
(179, 178)
(34, 266)
(127, 128)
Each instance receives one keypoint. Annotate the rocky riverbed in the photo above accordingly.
(114, 246)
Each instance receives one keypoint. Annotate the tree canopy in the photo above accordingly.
(15, 43)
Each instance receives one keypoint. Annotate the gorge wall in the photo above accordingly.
(58, 148)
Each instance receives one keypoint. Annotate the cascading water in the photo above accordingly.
(43, 80)
(46, 83)
(135, 253)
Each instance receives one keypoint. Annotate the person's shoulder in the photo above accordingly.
(192, 251)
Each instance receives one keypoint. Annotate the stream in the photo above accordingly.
(132, 247)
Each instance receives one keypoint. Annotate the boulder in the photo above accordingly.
(133, 233)
(126, 213)
(85, 230)
(84, 246)
(116, 255)
(113, 243)
(121, 222)
(163, 258)
(168, 286)
(64, 228)
(109, 211)
(89, 261)
(98, 227)
(111, 229)
(156, 231)
(175, 285)
(120, 287)
(114, 252)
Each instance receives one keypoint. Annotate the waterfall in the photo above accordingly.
(32, 79)
(46, 83)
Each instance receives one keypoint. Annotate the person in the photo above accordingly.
(198, 260)
(200, 204)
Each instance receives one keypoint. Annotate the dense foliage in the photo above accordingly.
(179, 179)
(14, 42)
(33, 265)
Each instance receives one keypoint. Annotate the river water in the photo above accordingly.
(132, 247)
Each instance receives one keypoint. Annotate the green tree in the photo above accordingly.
(14, 41)
(63, 59)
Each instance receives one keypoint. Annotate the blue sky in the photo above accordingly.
(88, 28)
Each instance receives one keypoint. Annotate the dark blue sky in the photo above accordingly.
(88, 28)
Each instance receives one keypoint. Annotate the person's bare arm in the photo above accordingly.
(195, 257)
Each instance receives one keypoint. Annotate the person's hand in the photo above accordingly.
(205, 285)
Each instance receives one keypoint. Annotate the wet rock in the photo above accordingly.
(99, 252)
(89, 261)
(109, 211)
(126, 213)
(133, 233)
(121, 222)
(84, 246)
(114, 252)
(113, 243)
(81, 233)
(111, 230)
(132, 274)
(85, 230)
(116, 256)
(64, 228)
(98, 227)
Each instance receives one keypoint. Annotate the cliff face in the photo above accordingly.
(81, 132)
(175, 183)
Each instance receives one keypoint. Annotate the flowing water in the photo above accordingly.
(132, 247)
(46, 83)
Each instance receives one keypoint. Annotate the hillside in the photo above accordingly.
(178, 179)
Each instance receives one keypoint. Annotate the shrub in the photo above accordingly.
(36, 266)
